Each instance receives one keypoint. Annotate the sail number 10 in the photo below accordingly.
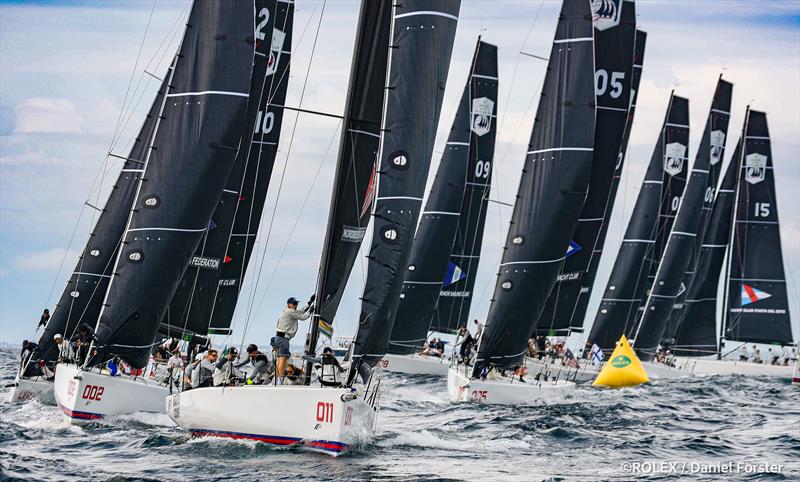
(324, 412)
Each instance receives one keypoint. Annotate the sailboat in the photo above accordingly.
(619, 54)
(455, 210)
(157, 214)
(552, 191)
(755, 302)
(330, 419)
(648, 228)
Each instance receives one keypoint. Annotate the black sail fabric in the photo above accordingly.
(712, 147)
(422, 43)
(757, 305)
(582, 303)
(455, 296)
(191, 307)
(193, 151)
(252, 190)
(668, 284)
(355, 183)
(552, 190)
(83, 296)
(430, 268)
(615, 34)
(660, 192)
(697, 332)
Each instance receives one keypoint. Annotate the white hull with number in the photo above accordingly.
(25, 389)
(706, 366)
(84, 396)
(503, 392)
(319, 419)
(555, 370)
(416, 364)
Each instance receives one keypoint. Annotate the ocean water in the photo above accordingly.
(672, 428)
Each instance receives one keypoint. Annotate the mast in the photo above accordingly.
(185, 171)
(207, 293)
(469, 146)
(658, 196)
(83, 296)
(697, 332)
(582, 305)
(422, 42)
(552, 191)
(355, 179)
(668, 284)
(615, 35)
(757, 303)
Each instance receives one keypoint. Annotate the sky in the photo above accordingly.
(73, 88)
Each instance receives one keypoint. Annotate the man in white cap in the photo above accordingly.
(65, 352)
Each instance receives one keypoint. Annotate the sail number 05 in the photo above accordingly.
(602, 81)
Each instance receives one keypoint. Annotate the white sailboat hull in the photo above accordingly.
(705, 366)
(319, 419)
(586, 373)
(658, 370)
(416, 364)
(25, 389)
(502, 392)
(796, 374)
(85, 396)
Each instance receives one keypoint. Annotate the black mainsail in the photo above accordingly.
(582, 304)
(658, 198)
(757, 309)
(552, 191)
(83, 296)
(207, 294)
(678, 253)
(467, 160)
(697, 332)
(194, 147)
(422, 43)
(615, 35)
(355, 180)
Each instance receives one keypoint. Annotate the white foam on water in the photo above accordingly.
(426, 439)
(148, 418)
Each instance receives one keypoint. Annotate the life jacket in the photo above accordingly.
(330, 376)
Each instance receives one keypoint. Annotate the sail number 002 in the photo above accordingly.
(93, 392)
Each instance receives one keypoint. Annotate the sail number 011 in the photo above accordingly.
(324, 412)
(602, 81)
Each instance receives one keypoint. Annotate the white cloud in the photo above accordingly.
(41, 115)
(47, 260)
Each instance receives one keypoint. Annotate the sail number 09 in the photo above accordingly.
(602, 82)
(482, 169)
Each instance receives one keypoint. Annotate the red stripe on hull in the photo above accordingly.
(330, 446)
(80, 415)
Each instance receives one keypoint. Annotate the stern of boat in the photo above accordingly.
(25, 389)
(415, 364)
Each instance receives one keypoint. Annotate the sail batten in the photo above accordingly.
(467, 157)
(551, 193)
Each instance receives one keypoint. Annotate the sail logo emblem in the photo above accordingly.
(717, 144)
(205, 263)
(606, 13)
(454, 274)
(752, 295)
(275, 51)
(353, 234)
(572, 249)
(482, 110)
(620, 361)
(755, 168)
(673, 158)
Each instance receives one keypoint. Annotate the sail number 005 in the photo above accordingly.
(602, 82)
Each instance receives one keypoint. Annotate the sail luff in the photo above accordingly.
(422, 38)
(552, 191)
(216, 269)
(471, 135)
(615, 35)
(193, 150)
(668, 284)
(659, 193)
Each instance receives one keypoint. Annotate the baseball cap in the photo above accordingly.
(292, 301)
(58, 336)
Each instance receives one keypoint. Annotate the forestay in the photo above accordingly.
(552, 190)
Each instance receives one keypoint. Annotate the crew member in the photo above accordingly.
(285, 331)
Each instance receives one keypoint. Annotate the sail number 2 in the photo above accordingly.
(325, 412)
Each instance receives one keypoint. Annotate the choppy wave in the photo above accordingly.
(422, 435)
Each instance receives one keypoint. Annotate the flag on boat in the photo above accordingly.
(751, 295)
(597, 354)
(623, 369)
(454, 274)
(571, 360)
(325, 328)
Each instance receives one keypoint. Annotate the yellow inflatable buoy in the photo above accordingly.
(623, 368)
